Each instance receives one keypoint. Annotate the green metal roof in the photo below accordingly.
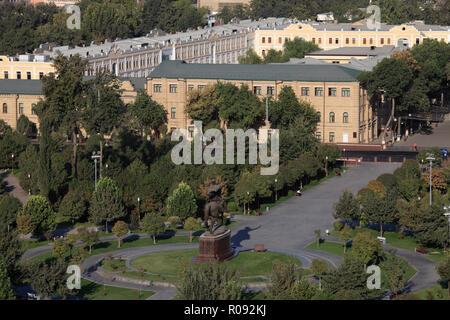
(256, 72)
(14, 86)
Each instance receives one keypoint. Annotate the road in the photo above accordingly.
(439, 137)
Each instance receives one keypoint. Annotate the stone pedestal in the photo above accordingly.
(214, 248)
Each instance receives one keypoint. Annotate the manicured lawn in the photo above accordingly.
(114, 265)
(437, 292)
(394, 239)
(247, 263)
(30, 244)
(93, 291)
(337, 249)
(108, 246)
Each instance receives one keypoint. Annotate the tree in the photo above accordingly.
(120, 230)
(4, 128)
(282, 280)
(29, 169)
(25, 126)
(319, 268)
(347, 207)
(202, 105)
(250, 57)
(6, 292)
(366, 248)
(64, 98)
(153, 224)
(11, 250)
(59, 248)
(394, 271)
(25, 224)
(89, 237)
(150, 115)
(318, 237)
(72, 207)
(182, 202)
(377, 187)
(43, 216)
(443, 269)
(346, 234)
(191, 224)
(328, 155)
(209, 281)
(48, 279)
(9, 206)
(106, 205)
(298, 47)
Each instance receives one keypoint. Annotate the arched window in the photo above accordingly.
(319, 116)
(345, 117)
(331, 117)
(5, 108)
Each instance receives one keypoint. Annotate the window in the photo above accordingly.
(313, 40)
(355, 135)
(191, 132)
(201, 87)
(5, 108)
(257, 90)
(345, 117)
(305, 91)
(332, 92)
(330, 40)
(353, 40)
(264, 52)
(347, 40)
(371, 41)
(5, 74)
(319, 116)
(41, 75)
(28, 75)
(319, 92)
(286, 39)
(270, 91)
(364, 41)
(318, 135)
(157, 88)
(263, 40)
(382, 40)
(20, 108)
(320, 40)
(332, 137)
(337, 40)
(190, 87)
(280, 40)
(417, 40)
(269, 40)
(19, 75)
(332, 117)
(346, 92)
(33, 109)
(388, 40)
(173, 88)
(173, 113)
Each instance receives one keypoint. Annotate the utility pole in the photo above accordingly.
(95, 156)
(431, 159)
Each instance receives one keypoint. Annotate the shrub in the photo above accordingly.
(232, 206)
(338, 226)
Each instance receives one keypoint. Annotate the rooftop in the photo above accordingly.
(355, 51)
(257, 72)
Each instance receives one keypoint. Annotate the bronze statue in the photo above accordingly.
(215, 206)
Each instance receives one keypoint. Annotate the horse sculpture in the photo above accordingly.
(215, 207)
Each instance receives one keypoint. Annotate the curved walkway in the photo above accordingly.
(288, 228)
(13, 187)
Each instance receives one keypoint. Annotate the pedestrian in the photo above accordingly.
(415, 146)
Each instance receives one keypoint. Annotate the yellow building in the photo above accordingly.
(336, 35)
(334, 91)
(217, 5)
(25, 67)
(19, 97)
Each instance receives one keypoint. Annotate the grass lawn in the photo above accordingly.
(394, 239)
(248, 263)
(337, 249)
(436, 292)
(93, 291)
(108, 246)
(114, 264)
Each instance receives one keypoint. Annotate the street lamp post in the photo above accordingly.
(431, 159)
(248, 202)
(12, 163)
(326, 165)
(29, 184)
(95, 156)
(139, 210)
(276, 192)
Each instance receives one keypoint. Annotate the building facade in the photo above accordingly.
(25, 67)
(336, 35)
(342, 106)
(20, 97)
(137, 57)
(216, 5)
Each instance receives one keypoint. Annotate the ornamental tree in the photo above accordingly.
(9, 206)
(120, 230)
(153, 224)
(182, 202)
(43, 216)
